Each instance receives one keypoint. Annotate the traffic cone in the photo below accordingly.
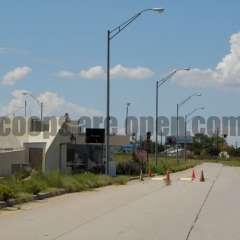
(193, 175)
(150, 172)
(202, 178)
(141, 175)
(168, 178)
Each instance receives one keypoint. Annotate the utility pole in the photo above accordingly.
(25, 108)
(177, 134)
(158, 84)
(217, 137)
(126, 120)
(156, 127)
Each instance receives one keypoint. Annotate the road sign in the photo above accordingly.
(141, 154)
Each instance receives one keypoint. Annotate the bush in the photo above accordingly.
(24, 197)
(88, 180)
(6, 193)
(129, 167)
(72, 184)
(160, 169)
(120, 180)
(13, 183)
(22, 174)
(34, 186)
(54, 180)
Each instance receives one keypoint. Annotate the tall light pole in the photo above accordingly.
(158, 84)
(25, 108)
(37, 101)
(185, 131)
(179, 105)
(110, 35)
(126, 121)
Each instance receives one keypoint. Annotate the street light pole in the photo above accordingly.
(186, 122)
(156, 124)
(108, 101)
(110, 35)
(178, 106)
(25, 108)
(41, 111)
(126, 120)
(185, 136)
(38, 102)
(177, 132)
(158, 84)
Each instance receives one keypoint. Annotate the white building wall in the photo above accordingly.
(7, 159)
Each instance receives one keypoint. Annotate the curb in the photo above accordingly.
(144, 176)
(40, 196)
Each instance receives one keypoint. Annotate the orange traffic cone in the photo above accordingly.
(149, 172)
(193, 175)
(168, 178)
(202, 178)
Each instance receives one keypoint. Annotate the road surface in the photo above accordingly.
(149, 210)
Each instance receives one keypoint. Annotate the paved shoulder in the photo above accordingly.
(149, 210)
(220, 216)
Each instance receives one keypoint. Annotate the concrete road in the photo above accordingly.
(148, 210)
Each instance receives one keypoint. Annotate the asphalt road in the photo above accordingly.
(148, 210)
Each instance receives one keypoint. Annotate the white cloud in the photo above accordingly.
(119, 71)
(57, 105)
(15, 104)
(225, 74)
(53, 104)
(96, 72)
(65, 74)
(131, 73)
(16, 74)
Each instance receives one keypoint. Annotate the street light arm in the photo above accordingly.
(188, 98)
(195, 110)
(121, 27)
(163, 80)
(33, 97)
(115, 31)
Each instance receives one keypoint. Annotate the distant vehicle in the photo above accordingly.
(224, 155)
(127, 148)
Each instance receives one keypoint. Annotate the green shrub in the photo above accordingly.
(54, 180)
(104, 180)
(22, 174)
(6, 193)
(129, 167)
(71, 184)
(24, 197)
(120, 180)
(13, 183)
(34, 186)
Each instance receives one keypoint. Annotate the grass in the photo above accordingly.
(232, 162)
(125, 163)
(24, 189)
(172, 165)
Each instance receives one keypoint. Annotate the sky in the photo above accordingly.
(56, 50)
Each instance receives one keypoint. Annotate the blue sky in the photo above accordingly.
(50, 37)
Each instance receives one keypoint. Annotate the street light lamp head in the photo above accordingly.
(187, 69)
(199, 94)
(128, 104)
(158, 10)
